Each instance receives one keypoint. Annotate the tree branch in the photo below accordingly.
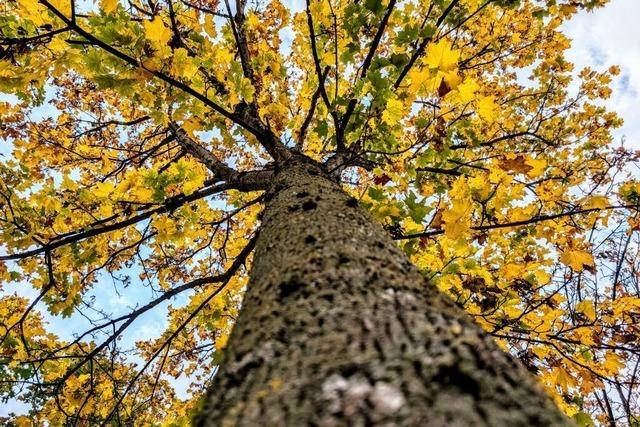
(245, 181)
(312, 108)
(235, 118)
(237, 28)
(534, 220)
(219, 169)
(367, 62)
(420, 50)
(224, 278)
(319, 73)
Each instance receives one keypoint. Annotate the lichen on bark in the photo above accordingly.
(338, 328)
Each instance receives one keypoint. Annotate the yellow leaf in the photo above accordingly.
(563, 379)
(245, 89)
(597, 202)
(221, 341)
(487, 108)
(328, 57)
(613, 363)
(252, 20)
(103, 190)
(441, 56)
(108, 6)
(191, 126)
(393, 112)
(457, 218)
(68, 183)
(182, 64)
(587, 308)
(57, 45)
(209, 25)
(542, 277)
(541, 351)
(467, 90)
(452, 79)
(32, 10)
(576, 259)
(195, 180)
(6, 69)
(537, 167)
(63, 6)
(142, 194)
(513, 271)
(388, 210)
(23, 421)
(156, 31)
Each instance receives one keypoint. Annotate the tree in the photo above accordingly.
(191, 139)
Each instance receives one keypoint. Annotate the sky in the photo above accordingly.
(610, 36)
(605, 37)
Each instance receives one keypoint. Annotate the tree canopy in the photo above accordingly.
(141, 136)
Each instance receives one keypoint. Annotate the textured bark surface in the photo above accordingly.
(339, 329)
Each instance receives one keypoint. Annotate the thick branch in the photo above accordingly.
(220, 169)
(245, 181)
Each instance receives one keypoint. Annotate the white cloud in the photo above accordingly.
(610, 36)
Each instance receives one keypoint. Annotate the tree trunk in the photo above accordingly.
(338, 328)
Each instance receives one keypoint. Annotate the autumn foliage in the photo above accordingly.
(139, 136)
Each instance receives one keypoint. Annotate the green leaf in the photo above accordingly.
(374, 6)
(376, 193)
(583, 419)
(417, 211)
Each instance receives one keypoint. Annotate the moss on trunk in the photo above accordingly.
(338, 328)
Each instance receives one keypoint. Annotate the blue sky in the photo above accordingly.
(608, 36)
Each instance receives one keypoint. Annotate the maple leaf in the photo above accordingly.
(442, 56)
(452, 79)
(612, 363)
(586, 307)
(443, 89)
(182, 65)
(63, 6)
(576, 259)
(487, 108)
(456, 218)
(109, 6)
(517, 164)
(157, 32)
(467, 90)
(382, 179)
(564, 379)
(394, 111)
(538, 167)
(252, 21)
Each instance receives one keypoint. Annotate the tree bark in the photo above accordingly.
(338, 328)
